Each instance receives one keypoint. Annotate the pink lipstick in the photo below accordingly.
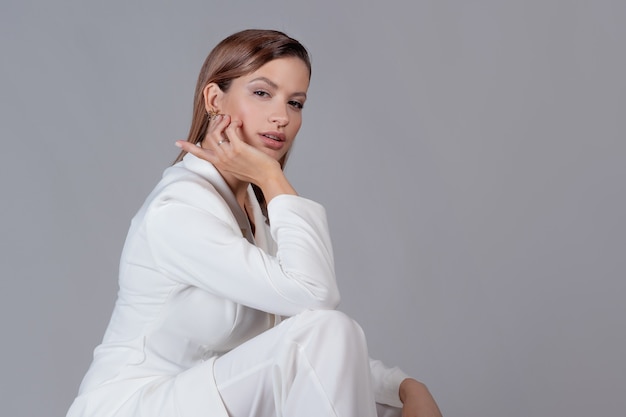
(273, 140)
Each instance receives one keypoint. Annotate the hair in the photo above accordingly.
(237, 55)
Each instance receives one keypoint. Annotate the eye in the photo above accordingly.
(261, 93)
(296, 104)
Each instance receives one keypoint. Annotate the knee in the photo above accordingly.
(336, 320)
(332, 325)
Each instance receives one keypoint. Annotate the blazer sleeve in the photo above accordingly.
(193, 245)
(386, 382)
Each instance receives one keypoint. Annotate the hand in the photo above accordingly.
(224, 147)
(417, 400)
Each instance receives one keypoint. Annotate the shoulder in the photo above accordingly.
(182, 187)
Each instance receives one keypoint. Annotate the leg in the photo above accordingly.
(314, 364)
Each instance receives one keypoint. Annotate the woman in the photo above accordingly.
(227, 286)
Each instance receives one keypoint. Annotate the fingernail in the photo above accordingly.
(177, 143)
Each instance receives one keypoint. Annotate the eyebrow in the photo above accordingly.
(274, 85)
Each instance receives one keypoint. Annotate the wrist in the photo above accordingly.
(274, 183)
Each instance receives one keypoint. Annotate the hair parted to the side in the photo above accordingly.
(237, 55)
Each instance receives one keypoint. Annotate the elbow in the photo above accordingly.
(334, 300)
(328, 300)
(314, 291)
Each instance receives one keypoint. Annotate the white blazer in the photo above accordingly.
(195, 283)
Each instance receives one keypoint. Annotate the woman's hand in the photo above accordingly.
(417, 400)
(224, 147)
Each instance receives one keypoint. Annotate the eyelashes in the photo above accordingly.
(293, 103)
(296, 104)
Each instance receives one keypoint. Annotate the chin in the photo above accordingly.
(275, 155)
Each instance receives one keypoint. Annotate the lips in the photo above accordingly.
(273, 140)
(277, 136)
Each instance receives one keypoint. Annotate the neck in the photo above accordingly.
(238, 187)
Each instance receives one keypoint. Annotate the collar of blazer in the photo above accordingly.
(208, 171)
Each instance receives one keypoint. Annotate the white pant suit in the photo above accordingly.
(213, 321)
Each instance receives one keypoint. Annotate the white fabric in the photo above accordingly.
(195, 284)
(313, 364)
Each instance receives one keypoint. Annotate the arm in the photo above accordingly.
(216, 257)
(193, 245)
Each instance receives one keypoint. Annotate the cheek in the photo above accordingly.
(238, 108)
(247, 133)
(246, 115)
(243, 112)
(296, 123)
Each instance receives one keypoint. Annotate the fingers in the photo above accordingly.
(202, 153)
(223, 130)
(233, 132)
(216, 145)
(224, 146)
(216, 135)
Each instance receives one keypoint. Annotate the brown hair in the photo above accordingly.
(239, 54)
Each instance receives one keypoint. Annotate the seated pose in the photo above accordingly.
(227, 296)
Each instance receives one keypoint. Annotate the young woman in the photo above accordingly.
(227, 285)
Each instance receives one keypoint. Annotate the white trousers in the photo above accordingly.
(314, 364)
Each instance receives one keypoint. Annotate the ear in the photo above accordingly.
(212, 97)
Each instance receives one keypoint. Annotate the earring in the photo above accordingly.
(212, 114)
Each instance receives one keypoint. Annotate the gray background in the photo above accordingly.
(470, 155)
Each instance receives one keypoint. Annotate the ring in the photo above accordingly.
(222, 141)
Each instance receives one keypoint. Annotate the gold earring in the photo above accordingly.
(212, 114)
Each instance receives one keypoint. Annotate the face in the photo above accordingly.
(269, 103)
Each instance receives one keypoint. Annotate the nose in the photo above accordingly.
(280, 116)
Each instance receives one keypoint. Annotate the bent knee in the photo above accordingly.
(332, 321)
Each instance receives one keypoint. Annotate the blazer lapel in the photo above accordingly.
(208, 171)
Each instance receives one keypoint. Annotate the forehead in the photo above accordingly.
(288, 73)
